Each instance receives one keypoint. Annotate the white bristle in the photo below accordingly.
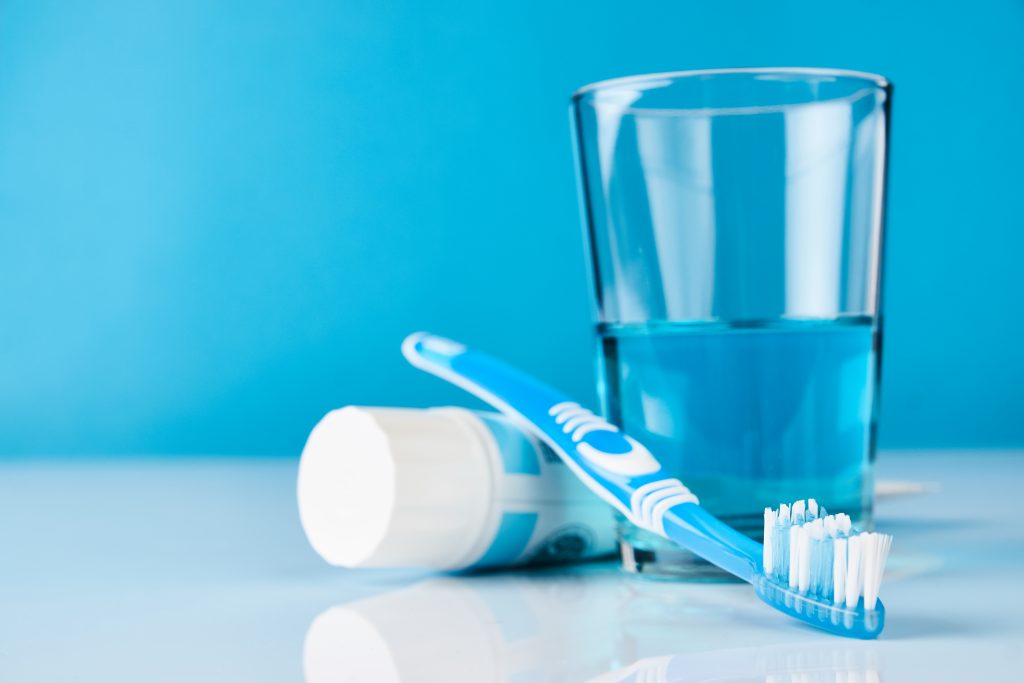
(830, 526)
(839, 571)
(875, 553)
(769, 525)
(804, 553)
(853, 570)
(826, 557)
(799, 508)
(794, 556)
(868, 569)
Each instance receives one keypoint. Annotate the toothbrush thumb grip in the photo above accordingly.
(609, 463)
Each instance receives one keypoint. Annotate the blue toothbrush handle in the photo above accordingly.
(612, 464)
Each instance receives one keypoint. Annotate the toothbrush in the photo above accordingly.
(813, 566)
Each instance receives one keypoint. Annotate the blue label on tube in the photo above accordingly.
(513, 536)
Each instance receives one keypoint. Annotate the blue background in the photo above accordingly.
(218, 220)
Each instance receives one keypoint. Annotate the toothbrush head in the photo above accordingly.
(819, 569)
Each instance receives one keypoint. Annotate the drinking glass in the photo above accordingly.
(733, 225)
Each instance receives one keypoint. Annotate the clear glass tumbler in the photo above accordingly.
(734, 227)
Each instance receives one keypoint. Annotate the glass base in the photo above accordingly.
(653, 557)
(668, 562)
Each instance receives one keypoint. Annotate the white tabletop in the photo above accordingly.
(195, 569)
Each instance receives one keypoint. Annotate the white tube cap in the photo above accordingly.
(396, 487)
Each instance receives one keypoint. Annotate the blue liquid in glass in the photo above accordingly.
(749, 416)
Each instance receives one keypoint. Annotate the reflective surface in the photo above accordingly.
(171, 570)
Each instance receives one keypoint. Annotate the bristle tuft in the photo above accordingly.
(769, 523)
(799, 511)
(819, 554)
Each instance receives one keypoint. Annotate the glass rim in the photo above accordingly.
(876, 81)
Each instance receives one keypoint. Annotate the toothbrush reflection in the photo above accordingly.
(559, 627)
(816, 663)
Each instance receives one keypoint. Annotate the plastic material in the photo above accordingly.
(443, 489)
(626, 475)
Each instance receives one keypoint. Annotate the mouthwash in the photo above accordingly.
(747, 416)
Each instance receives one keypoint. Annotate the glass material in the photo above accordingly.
(734, 226)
